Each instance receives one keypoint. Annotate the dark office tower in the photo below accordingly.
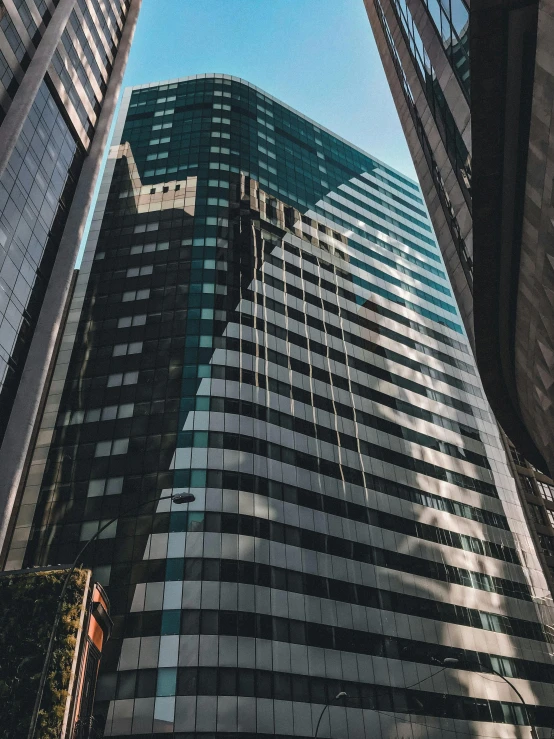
(474, 87)
(61, 65)
(263, 319)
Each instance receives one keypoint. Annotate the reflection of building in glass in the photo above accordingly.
(61, 66)
(483, 155)
(263, 317)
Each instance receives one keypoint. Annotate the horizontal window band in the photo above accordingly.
(342, 380)
(307, 633)
(373, 517)
(411, 203)
(371, 346)
(300, 496)
(380, 309)
(425, 312)
(370, 195)
(380, 274)
(335, 203)
(356, 318)
(356, 415)
(285, 686)
(386, 207)
(389, 262)
(296, 458)
(348, 360)
(252, 573)
(335, 546)
(325, 213)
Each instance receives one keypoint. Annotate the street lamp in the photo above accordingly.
(342, 694)
(179, 499)
(453, 661)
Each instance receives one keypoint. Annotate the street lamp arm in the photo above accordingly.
(342, 694)
(512, 686)
(325, 707)
(516, 691)
(453, 661)
(61, 597)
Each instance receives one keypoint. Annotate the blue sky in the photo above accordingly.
(318, 56)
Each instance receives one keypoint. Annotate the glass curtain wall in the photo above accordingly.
(264, 320)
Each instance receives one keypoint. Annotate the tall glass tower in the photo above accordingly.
(61, 67)
(263, 319)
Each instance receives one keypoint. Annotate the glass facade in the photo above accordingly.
(36, 190)
(38, 184)
(451, 136)
(263, 318)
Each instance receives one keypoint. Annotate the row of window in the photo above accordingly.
(344, 591)
(102, 49)
(220, 479)
(294, 631)
(361, 210)
(355, 317)
(332, 436)
(382, 310)
(108, 413)
(371, 370)
(282, 686)
(361, 341)
(315, 501)
(452, 139)
(227, 152)
(394, 298)
(355, 512)
(370, 197)
(286, 455)
(251, 526)
(85, 45)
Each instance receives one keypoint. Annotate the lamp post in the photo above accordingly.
(342, 694)
(453, 661)
(180, 499)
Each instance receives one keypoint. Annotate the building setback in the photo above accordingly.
(61, 65)
(474, 88)
(263, 318)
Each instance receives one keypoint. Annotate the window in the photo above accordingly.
(109, 448)
(90, 528)
(111, 412)
(126, 321)
(122, 378)
(144, 248)
(120, 350)
(105, 486)
(547, 545)
(135, 295)
(142, 227)
(527, 484)
(518, 458)
(98, 414)
(546, 490)
(139, 271)
(536, 514)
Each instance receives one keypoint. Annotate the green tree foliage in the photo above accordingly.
(27, 607)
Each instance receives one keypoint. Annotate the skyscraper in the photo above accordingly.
(263, 319)
(61, 65)
(474, 89)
